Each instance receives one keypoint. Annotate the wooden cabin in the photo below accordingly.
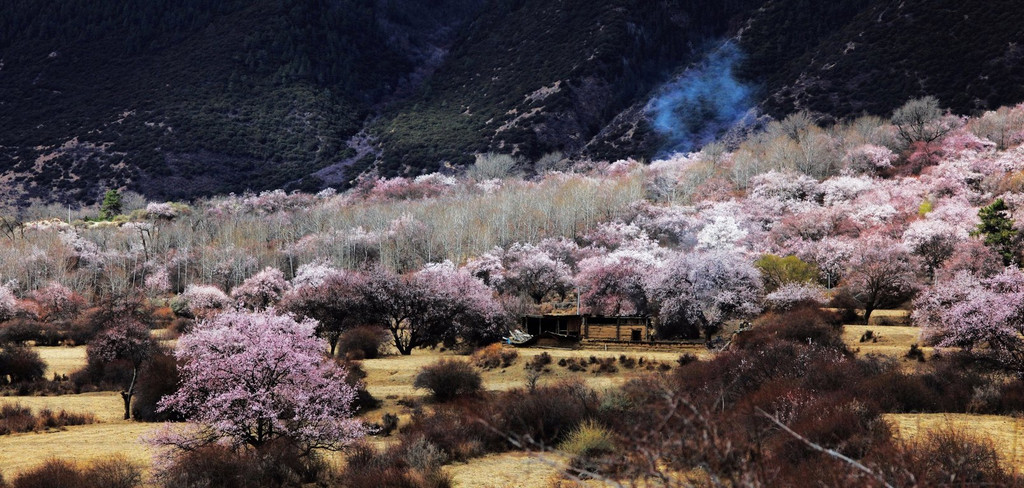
(622, 329)
(563, 325)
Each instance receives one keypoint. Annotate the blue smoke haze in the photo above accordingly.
(702, 103)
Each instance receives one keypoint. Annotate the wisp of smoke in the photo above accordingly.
(702, 102)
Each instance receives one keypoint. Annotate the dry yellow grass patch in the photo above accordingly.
(105, 405)
(892, 340)
(392, 376)
(62, 360)
(113, 436)
(511, 470)
(20, 452)
(890, 317)
(1006, 433)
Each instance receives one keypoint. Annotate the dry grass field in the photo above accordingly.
(62, 360)
(81, 443)
(109, 436)
(509, 470)
(390, 380)
(890, 340)
(392, 376)
(1005, 433)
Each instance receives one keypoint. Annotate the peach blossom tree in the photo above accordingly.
(249, 378)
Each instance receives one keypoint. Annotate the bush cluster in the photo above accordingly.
(275, 465)
(366, 342)
(410, 464)
(538, 362)
(19, 365)
(495, 356)
(448, 379)
(113, 472)
(15, 418)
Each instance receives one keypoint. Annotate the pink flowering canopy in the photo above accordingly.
(882, 273)
(57, 301)
(201, 301)
(249, 378)
(438, 304)
(261, 290)
(792, 294)
(336, 303)
(613, 283)
(8, 303)
(976, 313)
(524, 269)
(125, 339)
(696, 292)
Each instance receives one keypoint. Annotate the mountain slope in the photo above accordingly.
(853, 56)
(180, 99)
(538, 76)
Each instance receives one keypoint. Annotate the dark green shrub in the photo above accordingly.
(362, 342)
(448, 379)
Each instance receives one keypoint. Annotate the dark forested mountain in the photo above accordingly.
(183, 98)
(847, 57)
(189, 97)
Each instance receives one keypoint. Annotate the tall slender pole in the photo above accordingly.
(577, 300)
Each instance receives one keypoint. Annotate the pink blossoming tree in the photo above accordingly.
(436, 304)
(58, 302)
(613, 283)
(8, 303)
(697, 292)
(128, 340)
(973, 256)
(200, 301)
(523, 270)
(794, 294)
(336, 303)
(881, 274)
(261, 290)
(933, 241)
(250, 378)
(976, 313)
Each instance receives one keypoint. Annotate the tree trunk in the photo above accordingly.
(404, 348)
(867, 313)
(333, 340)
(126, 395)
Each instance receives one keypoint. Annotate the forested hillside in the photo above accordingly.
(849, 57)
(769, 251)
(188, 98)
(183, 99)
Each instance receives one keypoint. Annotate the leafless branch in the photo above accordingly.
(830, 452)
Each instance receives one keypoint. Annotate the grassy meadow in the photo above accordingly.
(390, 380)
